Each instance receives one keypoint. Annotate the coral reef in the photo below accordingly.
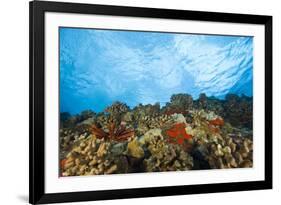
(69, 121)
(146, 123)
(220, 148)
(239, 110)
(183, 101)
(185, 134)
(116, 110)
(164, 156)
(92, 156)
(180, 104)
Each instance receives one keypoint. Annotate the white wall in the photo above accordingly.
(14, 99)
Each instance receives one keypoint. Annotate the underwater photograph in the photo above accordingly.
(143, 101)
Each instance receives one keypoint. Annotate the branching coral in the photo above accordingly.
(220, 148)
(230, 153)
(92, 156)
(164, 156)
(146, 123)
(117, 108)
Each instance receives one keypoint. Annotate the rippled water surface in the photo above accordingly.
(99, 67)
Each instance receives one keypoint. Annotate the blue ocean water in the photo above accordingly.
(99, 67)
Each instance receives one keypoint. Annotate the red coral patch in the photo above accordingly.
(178, 132)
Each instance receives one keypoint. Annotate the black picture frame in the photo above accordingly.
(37, 10)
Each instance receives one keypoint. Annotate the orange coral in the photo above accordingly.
(178, 133)
(118, 134)
(217, 122)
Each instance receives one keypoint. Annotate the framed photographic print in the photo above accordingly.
(140, 102)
